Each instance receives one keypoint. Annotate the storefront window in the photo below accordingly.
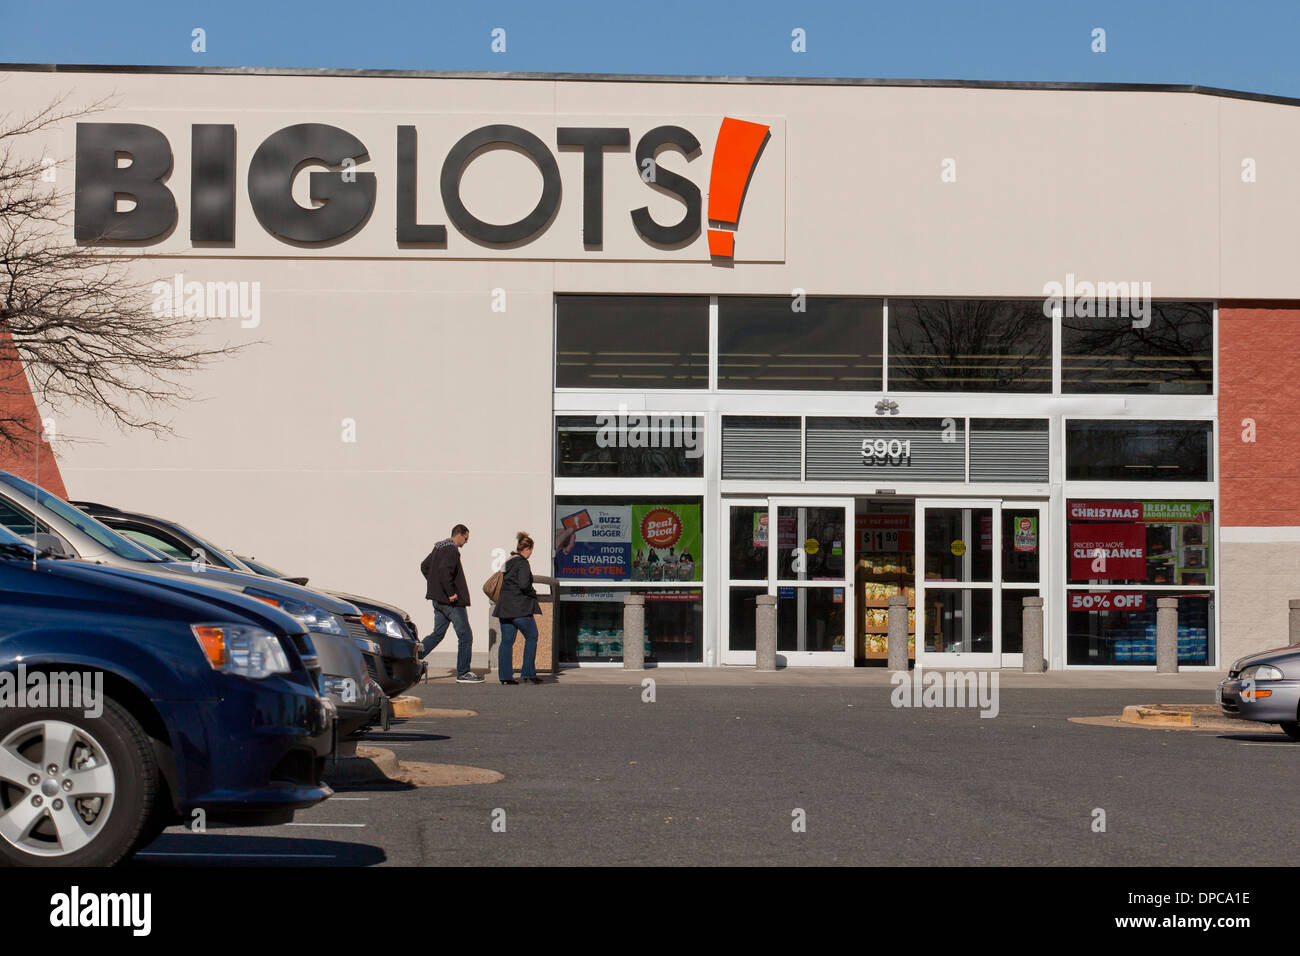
(640, 342)
(628, 444)
(589, 625)
(1123, 450)
(605, 546)
(969, 345)
(749, 543)
(1119, 627)
(1168, 350)
(1141, 542)
(806, 343)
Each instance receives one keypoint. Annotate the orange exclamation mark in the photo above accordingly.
(734, 158)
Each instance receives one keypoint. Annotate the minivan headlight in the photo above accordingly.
(310, 616)
(242, 650)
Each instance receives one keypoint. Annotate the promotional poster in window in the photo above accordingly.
(628, 542)
(1152, 542)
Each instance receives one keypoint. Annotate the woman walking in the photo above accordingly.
(516, 606)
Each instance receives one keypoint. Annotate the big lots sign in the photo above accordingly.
(345, 185)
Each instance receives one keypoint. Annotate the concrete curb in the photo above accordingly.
(1138, 714)
(407, 706)
(370, 763)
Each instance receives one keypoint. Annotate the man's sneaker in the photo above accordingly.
(469, 677)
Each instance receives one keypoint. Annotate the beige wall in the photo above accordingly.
(1257, 580)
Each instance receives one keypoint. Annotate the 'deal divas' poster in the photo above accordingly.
(666, 543)
(628, 543)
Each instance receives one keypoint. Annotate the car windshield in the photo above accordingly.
(223, 557)
(120, 546)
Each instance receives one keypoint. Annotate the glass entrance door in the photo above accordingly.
(812, 575)
(958, 561)
(801, 551)
(976, 561)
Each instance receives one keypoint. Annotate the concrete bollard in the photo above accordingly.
(897, 647)
(1293, 622)
(765, 632)
(1031, 627)
(1167, 635)
(633, 632)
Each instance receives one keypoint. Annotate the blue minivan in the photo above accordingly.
(207, 701)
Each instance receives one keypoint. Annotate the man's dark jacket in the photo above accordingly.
(443, 574)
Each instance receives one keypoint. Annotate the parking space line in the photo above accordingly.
(1260, 743)
(349, 798)
(354, 825)
(259, 856)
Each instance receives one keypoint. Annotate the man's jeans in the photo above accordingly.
(505, 659)
(451, 614)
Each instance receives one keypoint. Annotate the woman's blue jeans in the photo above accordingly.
(505, 658)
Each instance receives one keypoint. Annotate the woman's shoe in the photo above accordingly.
(510, 682)
(533, 680)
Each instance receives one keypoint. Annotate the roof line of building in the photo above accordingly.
(657, 78)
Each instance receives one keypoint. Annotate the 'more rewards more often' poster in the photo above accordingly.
(628, 542)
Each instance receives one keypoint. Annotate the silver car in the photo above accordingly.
(335, 626)
(1265, 687)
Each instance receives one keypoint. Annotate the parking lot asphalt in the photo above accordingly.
(723, 774)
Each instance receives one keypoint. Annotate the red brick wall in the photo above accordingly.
(16, 401)
(1259, 379)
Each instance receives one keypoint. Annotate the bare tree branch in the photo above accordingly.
(72, 316)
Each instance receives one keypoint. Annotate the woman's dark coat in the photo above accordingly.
(518, 597)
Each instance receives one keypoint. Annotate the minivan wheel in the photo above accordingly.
(74, 791)
(1291, 729)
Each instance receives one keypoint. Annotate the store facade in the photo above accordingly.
(711, 339)
(829, 451)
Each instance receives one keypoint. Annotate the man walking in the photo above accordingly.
(446, 588)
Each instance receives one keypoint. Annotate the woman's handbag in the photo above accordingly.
(492, 587)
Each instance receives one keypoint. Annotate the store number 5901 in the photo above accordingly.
(891, 449)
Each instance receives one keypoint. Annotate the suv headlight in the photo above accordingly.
(377, 622)
(1262, 672)
(310, 616)
(239, 649)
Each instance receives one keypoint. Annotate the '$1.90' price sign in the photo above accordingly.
(1109, 601)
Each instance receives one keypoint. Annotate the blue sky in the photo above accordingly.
(1246, 45)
